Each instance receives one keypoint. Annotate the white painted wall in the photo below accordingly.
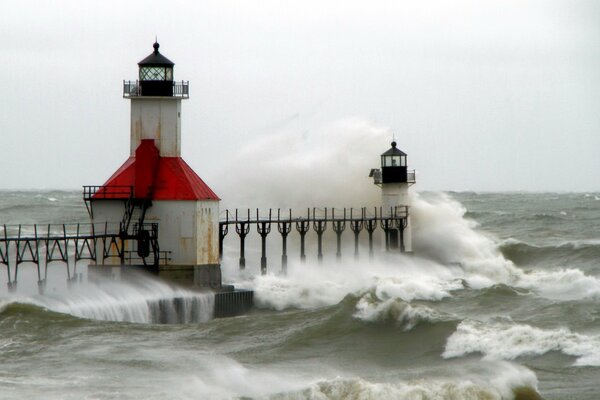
(189, 229)
(396, 194)
(207, 230)
(157, 118)
(176, 226)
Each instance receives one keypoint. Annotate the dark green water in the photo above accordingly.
(500, 298)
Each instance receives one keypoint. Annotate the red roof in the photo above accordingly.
(173, 180)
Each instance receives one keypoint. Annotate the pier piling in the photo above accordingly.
(284, 228)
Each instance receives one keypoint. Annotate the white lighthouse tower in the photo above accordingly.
(394, 178)
(155, 189)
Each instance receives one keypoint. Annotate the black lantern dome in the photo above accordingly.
(156, 74)
(393, 166)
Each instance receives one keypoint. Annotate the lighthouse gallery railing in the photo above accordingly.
(134, 89)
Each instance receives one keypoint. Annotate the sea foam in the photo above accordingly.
(494, 381)
(139, 298)
(509, 341)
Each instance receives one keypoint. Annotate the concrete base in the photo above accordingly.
(199, 276)
(228, 301)
(232, 303)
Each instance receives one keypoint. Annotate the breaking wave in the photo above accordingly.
(525, 253)
(139, 300)
(504, 341)
(510, 382)
(369, 308)
(453, 255)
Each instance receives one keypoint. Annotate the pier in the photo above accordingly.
(137, 244)
(392, 221)
(42, 245)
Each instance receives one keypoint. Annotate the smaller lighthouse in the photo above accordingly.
(395, 178)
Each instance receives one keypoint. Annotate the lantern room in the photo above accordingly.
(393, 166)
(156, 74)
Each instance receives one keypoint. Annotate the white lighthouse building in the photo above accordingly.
(167, 216)
(394, 178)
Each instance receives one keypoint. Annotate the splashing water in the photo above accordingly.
(139, 298)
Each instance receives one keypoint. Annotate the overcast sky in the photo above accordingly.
(482, 95)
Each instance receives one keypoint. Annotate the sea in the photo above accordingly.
(500, 299)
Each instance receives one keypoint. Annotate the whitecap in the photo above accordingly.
(509, 341)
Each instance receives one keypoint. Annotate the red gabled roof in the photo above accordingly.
(174, 180)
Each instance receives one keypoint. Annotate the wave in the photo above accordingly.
(371, 309)
(509, 341)
(139, 300)
(563, 284)
(526, 253)
(509, 382)
(453, 255)
(310, 286)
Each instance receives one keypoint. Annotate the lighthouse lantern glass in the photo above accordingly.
(156, 73)
(393, 161)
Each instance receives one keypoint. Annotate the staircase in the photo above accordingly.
(146, 235)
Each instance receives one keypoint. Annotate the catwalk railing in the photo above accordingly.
(393, 221)
(42, 245)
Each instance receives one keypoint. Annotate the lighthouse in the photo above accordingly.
(167, 216)
(395, 178)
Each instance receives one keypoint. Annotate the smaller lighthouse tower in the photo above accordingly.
(394, 178)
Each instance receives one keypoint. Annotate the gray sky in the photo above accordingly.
(482, 95)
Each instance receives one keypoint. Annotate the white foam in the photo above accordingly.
(371, 309)
(562, 284)
(441, 231)
(217, 376)
(509, 341)
(451, 252)
(310, 286)
(132, 300)
(496, 382)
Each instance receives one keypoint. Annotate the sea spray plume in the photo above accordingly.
(327, 167)
(312, 285)
(137, 298)
(298, 167)
(441, 232)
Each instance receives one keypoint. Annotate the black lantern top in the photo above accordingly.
(156, 74)
(393, 165)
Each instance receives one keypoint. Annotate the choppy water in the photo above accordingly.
(500, 300)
